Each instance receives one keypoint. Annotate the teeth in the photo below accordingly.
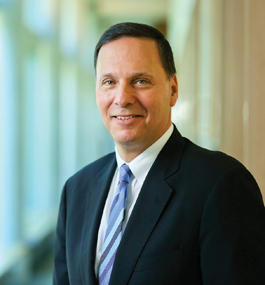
(125, 118)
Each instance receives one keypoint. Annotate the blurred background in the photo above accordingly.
(50, 126)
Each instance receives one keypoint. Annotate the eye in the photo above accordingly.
(141, 81)
(109, 82)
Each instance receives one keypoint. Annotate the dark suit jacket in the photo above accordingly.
(199, 219)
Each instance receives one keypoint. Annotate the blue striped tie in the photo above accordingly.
(114, 230)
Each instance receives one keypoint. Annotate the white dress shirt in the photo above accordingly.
(140, 167)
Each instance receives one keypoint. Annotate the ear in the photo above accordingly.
(174, 90)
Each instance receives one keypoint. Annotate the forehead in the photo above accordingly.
(129, 53)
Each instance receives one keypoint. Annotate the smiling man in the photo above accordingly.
(135, 102)
(159, 210)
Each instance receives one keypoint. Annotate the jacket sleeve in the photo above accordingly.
(60, 271)
(232, 235)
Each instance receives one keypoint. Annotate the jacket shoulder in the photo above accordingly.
(93, 169)
(208, 160)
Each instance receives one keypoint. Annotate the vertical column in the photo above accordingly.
(216, 73)
(233, 82)
(204, 73)
(254, 94)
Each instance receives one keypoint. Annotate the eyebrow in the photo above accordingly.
(138, 74)
(141, 74)
(107, 75)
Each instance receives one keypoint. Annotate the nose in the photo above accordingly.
(125, 95)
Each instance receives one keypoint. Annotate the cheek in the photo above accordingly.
(98, 99)
(102, 103)
(153, 104)
(159, 109)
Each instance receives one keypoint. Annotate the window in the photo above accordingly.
(8, 147)
(68, 120)
(39, 16)
(68, 24)
(39, 141)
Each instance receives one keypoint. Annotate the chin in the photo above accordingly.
(126, 140)
(124, 136)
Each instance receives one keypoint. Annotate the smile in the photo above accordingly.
(125, 118)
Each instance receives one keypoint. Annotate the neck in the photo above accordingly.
(129, 154)
(129, 151)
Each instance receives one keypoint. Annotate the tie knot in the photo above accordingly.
(125, 173)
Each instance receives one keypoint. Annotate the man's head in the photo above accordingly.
(139, 31)
(134, 93)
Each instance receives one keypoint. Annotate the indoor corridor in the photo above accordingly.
(49, 123)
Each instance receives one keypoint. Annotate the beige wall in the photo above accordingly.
(221, 72)
(254, 77)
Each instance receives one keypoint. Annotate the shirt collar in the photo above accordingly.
(141, 165)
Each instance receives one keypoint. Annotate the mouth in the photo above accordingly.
(125, 117)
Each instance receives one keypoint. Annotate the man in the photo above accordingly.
(185, 215)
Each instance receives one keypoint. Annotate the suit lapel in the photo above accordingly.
(149, 207)
(96, 197)
(145, 215)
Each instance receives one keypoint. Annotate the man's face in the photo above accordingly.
(134, 95)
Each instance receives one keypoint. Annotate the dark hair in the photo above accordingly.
(136, 30)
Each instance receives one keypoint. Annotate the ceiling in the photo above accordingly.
(152, 12)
